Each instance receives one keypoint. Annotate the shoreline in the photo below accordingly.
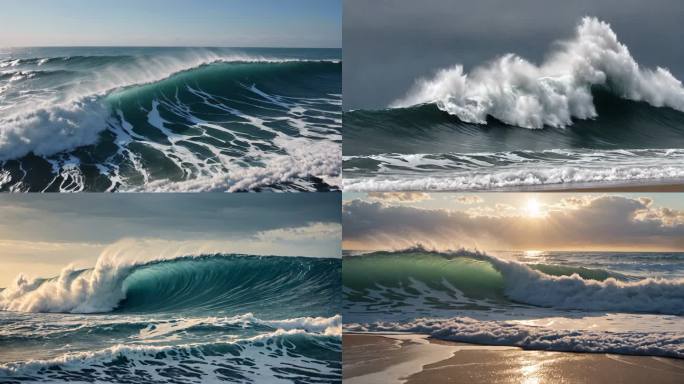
(417, 359)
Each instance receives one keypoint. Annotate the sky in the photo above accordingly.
(42, 234)
(513, 221)
(233, 23)
(389, 44)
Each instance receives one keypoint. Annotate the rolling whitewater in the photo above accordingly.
(588, 115)
(628, 303)
(213, 318)
(170, 119)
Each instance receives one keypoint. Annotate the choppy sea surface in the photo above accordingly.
(170, 119)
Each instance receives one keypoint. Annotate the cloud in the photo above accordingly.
(40, 234)
(402, 197)
(469, 199)
(106, 218)
(313, 231)
(599, 223)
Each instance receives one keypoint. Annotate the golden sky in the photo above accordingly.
(514, 221)
(42, 234)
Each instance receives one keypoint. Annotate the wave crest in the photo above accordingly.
(567, 288)
(46, 121)
(196, 284)
(517, 92)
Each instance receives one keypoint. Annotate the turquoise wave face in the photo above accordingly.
(599, 302)
(268, 287)
(420, 283)
(183, 120)
(207, 318)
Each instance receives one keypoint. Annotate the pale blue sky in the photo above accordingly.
(235, 23)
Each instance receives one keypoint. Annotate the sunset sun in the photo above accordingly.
(533, 208)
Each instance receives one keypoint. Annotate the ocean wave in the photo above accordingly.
(52, 123)
(275, 286)
(464, 329)
(554, 93)
(444, 278)
(311, 358)
(229, 123)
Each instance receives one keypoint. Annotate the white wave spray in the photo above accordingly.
(101, 288)
(526, 285)
(55, 120)
(517, 92)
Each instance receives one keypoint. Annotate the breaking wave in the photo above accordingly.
(192, 120)
(477, 298)
(477, 275)
(272, 287)
(553, 93)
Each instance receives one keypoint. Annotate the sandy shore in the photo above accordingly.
(414, 359)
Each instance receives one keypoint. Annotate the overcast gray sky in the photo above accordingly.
(387, 44)
(41, 234)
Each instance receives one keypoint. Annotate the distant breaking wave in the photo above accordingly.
(520, 93)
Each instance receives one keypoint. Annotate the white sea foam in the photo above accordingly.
(52, 121)
(520, 93)
(470, 330)
(316, 153)
(483, 171)
(257, 359)
(526, 285)
(303, 158)
(99, 290)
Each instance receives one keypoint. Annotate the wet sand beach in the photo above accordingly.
(416, 359)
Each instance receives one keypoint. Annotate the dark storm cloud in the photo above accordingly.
(106, 217)
(389, 43)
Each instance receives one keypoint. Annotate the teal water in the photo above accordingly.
(170, 119)
(604, 302)
(216, 318)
